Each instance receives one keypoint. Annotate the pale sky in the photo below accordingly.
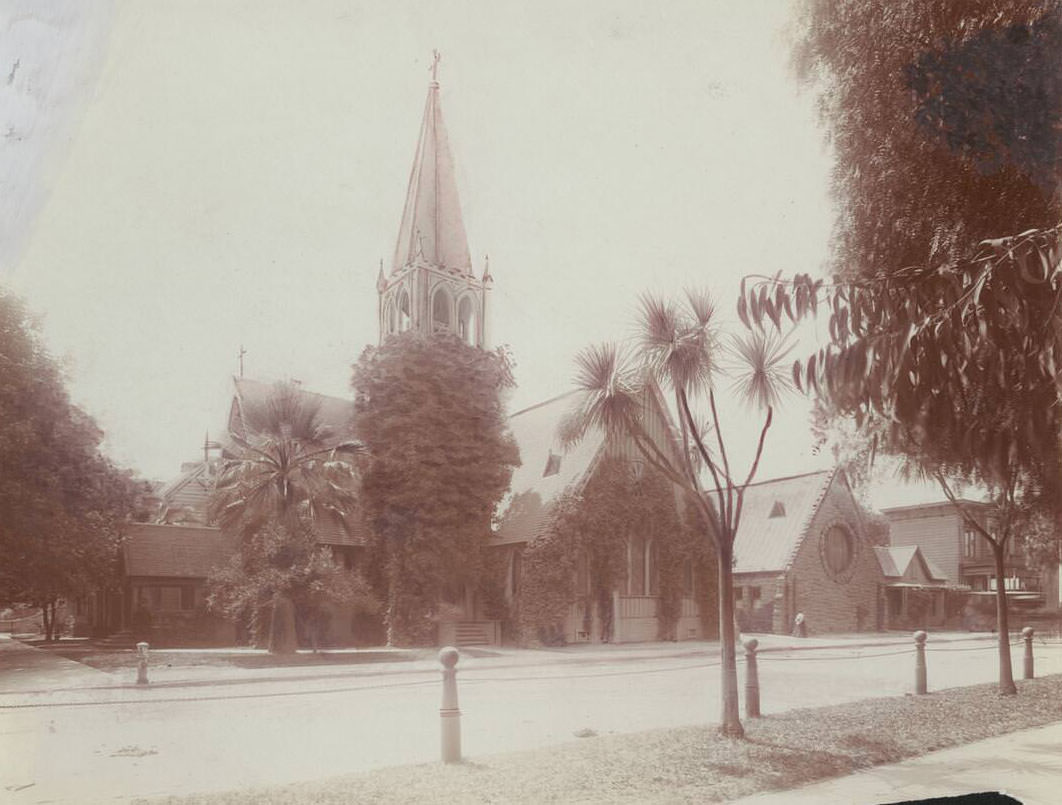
(181, 178)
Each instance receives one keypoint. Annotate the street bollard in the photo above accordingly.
(141, 663)
(920, 661)
(449, 713)
(1027, 633)
(752, 680)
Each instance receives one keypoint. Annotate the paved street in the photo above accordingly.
(192, 730)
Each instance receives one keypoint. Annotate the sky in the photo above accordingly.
(181, 179)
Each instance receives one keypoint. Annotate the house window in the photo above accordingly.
(515, 569)
(777, 510)
(187, 597)
(652, 572)
(969, 543)
(754, 596)
(636, 567)
(687, 578)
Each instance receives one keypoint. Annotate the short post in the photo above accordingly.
(449, 713)
(1027, 633)
(920, 662)
(752, 680)
(141, 663)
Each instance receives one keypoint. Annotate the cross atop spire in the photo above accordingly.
(435, 57)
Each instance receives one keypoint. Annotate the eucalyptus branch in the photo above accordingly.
(966, 515)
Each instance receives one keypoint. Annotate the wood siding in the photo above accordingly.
(937, 532)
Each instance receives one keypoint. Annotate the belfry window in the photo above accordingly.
(440, 311)
(466, 325)
(404, 318)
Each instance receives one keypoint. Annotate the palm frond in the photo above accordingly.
(760, 378)
(611, 386)
(679, 348)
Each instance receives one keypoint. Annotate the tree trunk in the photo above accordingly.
(282, 629)
(47, 619)
(731, 719)
(1006, 674)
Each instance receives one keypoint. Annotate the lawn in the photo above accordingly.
(694, 764)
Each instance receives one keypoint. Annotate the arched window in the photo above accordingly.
(636, 566)
(652, 568)
(404, 317)
(466, 321)
(389, 318)
(440, 311)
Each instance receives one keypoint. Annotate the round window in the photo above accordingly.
(838, 551)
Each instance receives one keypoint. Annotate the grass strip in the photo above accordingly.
(695, 764)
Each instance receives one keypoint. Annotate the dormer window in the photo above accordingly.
(553, 464)
(777, 510)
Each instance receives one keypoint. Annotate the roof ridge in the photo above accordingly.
(831, 475)
(561, 396)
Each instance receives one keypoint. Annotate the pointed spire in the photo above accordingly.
(381, 280)
(487, 280)
(432, 229)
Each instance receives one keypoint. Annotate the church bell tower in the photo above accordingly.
(430, 286)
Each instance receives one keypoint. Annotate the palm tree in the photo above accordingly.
(284, 464)
(285, 470)
(680, 348)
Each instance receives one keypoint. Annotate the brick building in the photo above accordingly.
(802, 547)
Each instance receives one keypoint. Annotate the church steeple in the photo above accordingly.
(432, 229)
(431, 286)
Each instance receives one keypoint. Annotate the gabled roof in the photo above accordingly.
(335, 412)
(174, 551)
(533, 490)
(187, 496)
(768, 544)
(432, 230)
(896, 560)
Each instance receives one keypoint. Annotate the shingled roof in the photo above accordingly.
(175, 551)
(547, 468)
(767, 543)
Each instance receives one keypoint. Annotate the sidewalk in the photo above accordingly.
(1026, 765)
(24, 669)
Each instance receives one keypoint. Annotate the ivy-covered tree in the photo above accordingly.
(680, 348)
(430, 411)
(285, 474)
(63, 504)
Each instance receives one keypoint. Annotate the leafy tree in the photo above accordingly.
(681, 348)
(62, 503)
(430, 412)
(282, 568)
(944, 121)
(287, 472)
(943, 337)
